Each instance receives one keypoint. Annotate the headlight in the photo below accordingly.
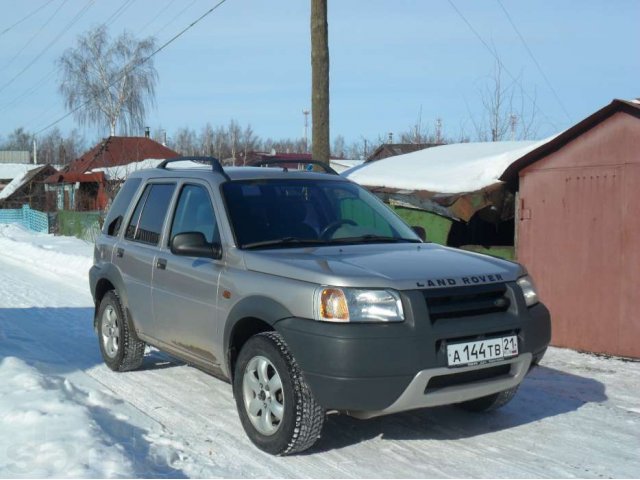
(357, 305)
(528, 290)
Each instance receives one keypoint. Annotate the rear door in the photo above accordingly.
(135, 254)
(185, 289)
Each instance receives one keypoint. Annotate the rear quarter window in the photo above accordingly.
(119, 207)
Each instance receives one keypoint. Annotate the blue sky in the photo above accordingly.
(390, 60)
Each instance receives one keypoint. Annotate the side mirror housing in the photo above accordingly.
(194, 244)
(421, 232)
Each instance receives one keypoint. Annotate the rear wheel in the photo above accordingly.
(120, 349)
(276, 407)
(490, 402)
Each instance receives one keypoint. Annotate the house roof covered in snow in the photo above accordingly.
(455, 168)
(387, 150)
(20, 181)
(117, 151)
(9, 171)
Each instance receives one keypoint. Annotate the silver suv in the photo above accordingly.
(309, 295)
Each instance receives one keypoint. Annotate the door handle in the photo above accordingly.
(120, 252)
(161, 263)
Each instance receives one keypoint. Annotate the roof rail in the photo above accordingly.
(216, 166)
(276, 161)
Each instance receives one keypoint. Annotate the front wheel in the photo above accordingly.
(276, 407)
(490, 402)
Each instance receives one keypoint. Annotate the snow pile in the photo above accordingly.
(456, 168)
(68, 258)
(48, 429)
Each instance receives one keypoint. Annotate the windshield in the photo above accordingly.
(288, 213)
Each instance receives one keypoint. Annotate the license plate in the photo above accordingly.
(482, 351)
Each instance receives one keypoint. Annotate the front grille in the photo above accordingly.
(462, 378)
(466, 301)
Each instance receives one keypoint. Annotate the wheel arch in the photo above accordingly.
(109, 279)
(250, 316)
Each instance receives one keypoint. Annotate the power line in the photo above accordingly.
(127, 68)
(535, 61)
(26, 17)
(162, 10)
(119, 11)
(34, 88)
(33, 37)
(502, 65)
(50, 44)
(175, 17)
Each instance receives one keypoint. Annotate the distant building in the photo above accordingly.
(27, 189)
(387, 150)
(15, 156)
(89, 182)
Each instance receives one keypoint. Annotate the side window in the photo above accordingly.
(119, 207)
(146, 223)
(194, 213)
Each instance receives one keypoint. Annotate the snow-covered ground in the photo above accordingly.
(64, 414)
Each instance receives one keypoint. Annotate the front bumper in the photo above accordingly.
(375, 369)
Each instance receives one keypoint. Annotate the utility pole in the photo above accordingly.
(306, 130)
(35, 150)
(320, 81)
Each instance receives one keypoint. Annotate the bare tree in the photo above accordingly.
(106, 83)
(320, 80)
(19, 139)
(207, 138)
(339, 147)
(507, 114)
(185, 142)
(55, 148)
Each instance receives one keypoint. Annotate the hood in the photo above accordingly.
(399, 266)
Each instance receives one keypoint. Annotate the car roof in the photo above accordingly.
(235, 173)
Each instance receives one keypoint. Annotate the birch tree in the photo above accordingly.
(109, 83)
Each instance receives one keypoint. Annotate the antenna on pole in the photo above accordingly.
(438, 130)
(306, 130)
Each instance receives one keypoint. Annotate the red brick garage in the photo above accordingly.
(579, 229)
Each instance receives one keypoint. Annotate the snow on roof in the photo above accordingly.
(20, 180)
(9, 171)
(340, 165)
(13, 185)
(122, 172)
(455, 168)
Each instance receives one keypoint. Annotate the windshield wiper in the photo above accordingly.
(370, 238)
(294, 241)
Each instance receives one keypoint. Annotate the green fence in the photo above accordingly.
(84, 225)
(28, 218)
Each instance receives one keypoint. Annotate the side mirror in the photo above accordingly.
(421, 232)
(194, 244)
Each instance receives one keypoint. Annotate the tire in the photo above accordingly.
(490, 402)
(120, 348)
(265, 357)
